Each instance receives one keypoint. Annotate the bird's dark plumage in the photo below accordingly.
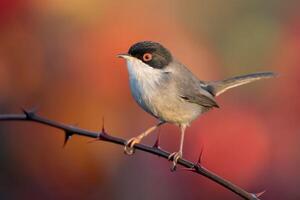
(161, 57)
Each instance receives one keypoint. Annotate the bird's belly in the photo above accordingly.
(175, 110)
(164, 105)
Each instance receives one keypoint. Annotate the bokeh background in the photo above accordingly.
(59, 55)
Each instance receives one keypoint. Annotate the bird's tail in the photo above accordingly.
(218, 87)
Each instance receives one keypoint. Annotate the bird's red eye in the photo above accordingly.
(147, 57)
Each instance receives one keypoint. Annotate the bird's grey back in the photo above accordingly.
(189, 87)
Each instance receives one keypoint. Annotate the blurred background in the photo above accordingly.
(60, 55)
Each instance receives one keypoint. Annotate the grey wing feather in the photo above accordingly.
(201, 100)
(190, 89)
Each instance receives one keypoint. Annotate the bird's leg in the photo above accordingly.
(128, 149)
(177, 155)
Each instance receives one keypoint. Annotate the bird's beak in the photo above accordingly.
(124, 55)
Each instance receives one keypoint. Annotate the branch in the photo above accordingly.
(156, 150)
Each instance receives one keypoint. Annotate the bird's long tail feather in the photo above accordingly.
(218, 87)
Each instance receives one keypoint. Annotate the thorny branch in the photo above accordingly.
(155, 149)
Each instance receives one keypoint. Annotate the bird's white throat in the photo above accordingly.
(143, 75)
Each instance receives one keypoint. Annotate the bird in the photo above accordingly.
(166, 89)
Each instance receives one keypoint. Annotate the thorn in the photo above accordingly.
(156, 144)
(103, 128)
(68, 136)
(102, 135)
(29, 113)
(259, 194)
(199, 161)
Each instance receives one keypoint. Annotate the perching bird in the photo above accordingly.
(166, 89)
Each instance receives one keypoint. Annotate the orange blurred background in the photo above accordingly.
(60, 55)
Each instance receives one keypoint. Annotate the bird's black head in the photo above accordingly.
(151, 53)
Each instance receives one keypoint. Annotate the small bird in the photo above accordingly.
(170, 92)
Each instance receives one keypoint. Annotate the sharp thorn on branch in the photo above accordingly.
(102, 135)
(29, 113)
(199, 161)
(68, 136)
(103, 127)
(257, 195)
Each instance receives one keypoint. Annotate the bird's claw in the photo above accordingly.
(128, 149)
(175, 157)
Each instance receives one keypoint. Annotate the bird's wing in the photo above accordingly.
(199, 96)
(188, 87)
(191, 89)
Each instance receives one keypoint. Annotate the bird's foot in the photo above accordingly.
(175, 157)
(128, 149)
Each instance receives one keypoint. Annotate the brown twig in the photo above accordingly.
(156, 150)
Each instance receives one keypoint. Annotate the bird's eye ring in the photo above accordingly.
(147, 57)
